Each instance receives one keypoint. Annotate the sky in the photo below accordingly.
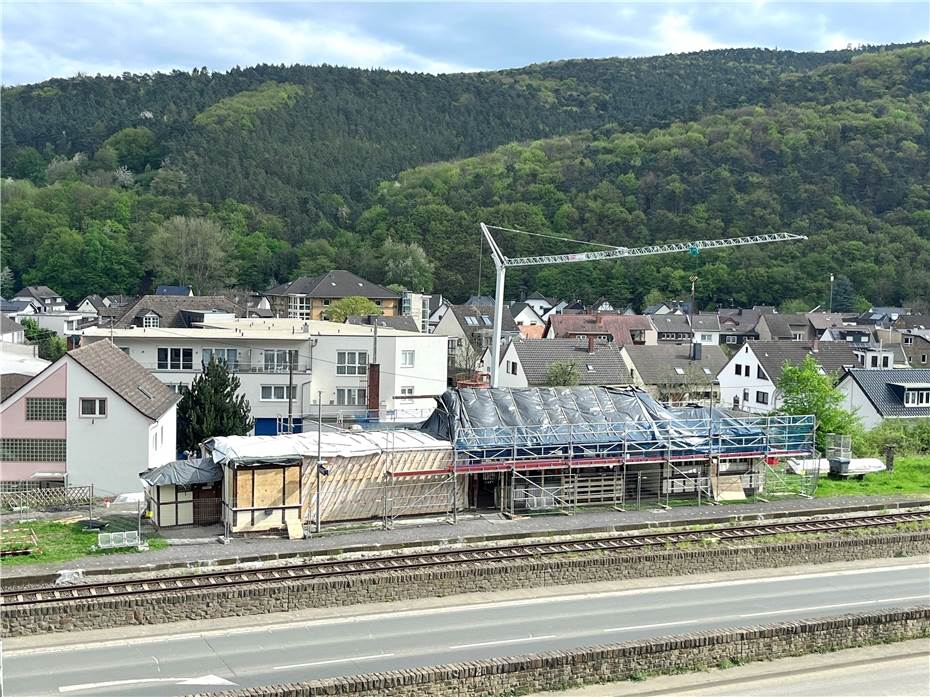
(60, 39)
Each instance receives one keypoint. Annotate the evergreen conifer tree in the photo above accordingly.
(211, 407)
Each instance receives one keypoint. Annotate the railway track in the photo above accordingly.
(330, 569)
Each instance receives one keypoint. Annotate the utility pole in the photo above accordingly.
(831, 292)
(319, 455)
(290, 391)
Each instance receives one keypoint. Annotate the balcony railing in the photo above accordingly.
(301, 366)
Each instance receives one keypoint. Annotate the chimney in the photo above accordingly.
(696, 351)
(590, 343)
(815, 346)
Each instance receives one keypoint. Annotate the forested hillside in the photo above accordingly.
(284, 164)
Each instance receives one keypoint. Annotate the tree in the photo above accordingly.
(134, 147)
(353, 305)
(7, 282)
(844, 295)
(804, 390)
(562, 374)
(28, 163)
(51, 346)
(211, 407)
(407, 265)
(194, 251)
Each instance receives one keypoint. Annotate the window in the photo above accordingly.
(124, 349)
(908, 340)
(486, 319)
(32, 450)
(151, 320)
(92, 407)
(276, 360)
(706, 371)
(745, 396)
(46, 409)
(679, 371)
(706, 338)
(352, 363)
(512, 367)
(229, 356)
(873, 361)
(406, 391)
(760, 374)
(762, 397)
(175, 359)
(453, 343)
(886, 361)
(797, 336)
(176, 387)
(739, 368)
(731, 339)
(407, 359)
(471, 321)
(298, 307)
(589, 367)
(923, 358)
(351, 397)
(277, 393)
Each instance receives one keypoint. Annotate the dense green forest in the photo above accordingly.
(285, 163)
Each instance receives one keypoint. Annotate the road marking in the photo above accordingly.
(334, 660)
(830, 607)
(651, 626)
(503, 641)
(301, 624)
(202, 680)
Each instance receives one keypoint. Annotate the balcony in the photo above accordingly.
(245, 367)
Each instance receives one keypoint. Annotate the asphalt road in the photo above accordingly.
(260, 655)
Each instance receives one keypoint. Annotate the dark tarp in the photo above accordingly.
(184, 473)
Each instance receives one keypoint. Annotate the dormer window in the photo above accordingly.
(917, 398)
(908, 340)
(151, 321)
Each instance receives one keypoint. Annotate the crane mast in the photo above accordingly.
(503, 262)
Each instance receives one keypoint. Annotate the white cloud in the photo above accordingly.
(675, 34)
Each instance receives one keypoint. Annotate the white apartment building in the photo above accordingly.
(315, 358)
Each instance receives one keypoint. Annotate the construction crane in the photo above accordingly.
(503, 262)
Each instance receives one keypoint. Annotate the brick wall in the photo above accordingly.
(255, 599)
(559, 670)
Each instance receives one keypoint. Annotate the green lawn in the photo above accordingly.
(64, 541)
(911, 476)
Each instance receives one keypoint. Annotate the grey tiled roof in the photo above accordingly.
(96, 301)
(913, 322)
(737, 321)
(9, 325)
(602, 367)
(676, 324)
(169, 308)
(37, 292)
(126, 377)
(335, 284)
(705, 322)
(824, 320)
(10, 382)
(888, 399)
(656, 364)
(462, 311)
(832, 356)
(402, 322)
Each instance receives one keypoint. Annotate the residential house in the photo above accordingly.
(16, 309)
(11, 332)
(912, 322)
(883, 316)
(749, 379)
(525, 315)
(877, 395)
(620, 329)
(672, 328)
(705, 328)
(176, 311)
(67, 325)
(175, 290)
(93, 304)
(287, 364)
(775, 326)
(438, 306)
(738, 325)
(417, 307)
(469, 331)
(916, 345)
(527, 363)
(676, 372)
(309, 297)
(672, 307)
(48, 300)
(255, 304)
(540, 303)
(94, 417)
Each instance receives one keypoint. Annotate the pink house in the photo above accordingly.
(95, 416)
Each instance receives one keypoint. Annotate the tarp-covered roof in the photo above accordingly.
(201, 470)
(253, 450)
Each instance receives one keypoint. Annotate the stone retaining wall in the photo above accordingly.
(253, 599)
(559, 670)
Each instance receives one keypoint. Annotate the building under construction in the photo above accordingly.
(514, 450)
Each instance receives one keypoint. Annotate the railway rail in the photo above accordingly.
(403, 562)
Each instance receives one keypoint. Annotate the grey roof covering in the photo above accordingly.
(671, 323)
(169, 308)
(119, 299)
(402, 322)
(172, 290)
(602, 367)
(10, 382)
(832, 356)
(913, 322)
(705, 322)
(657, 365)
(8, 325)
(517, 308)
(96, 301)
(201, 470)
(883, 390)
(784, 326)
(619, 327)
(126, 377)
(37, 292)
(335, 284)
(435, 300)
(738, 320)
(15, 305)
(824, 320)
(480, 300)
(479, 312)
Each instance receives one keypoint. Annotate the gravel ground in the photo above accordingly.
(191, 549)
